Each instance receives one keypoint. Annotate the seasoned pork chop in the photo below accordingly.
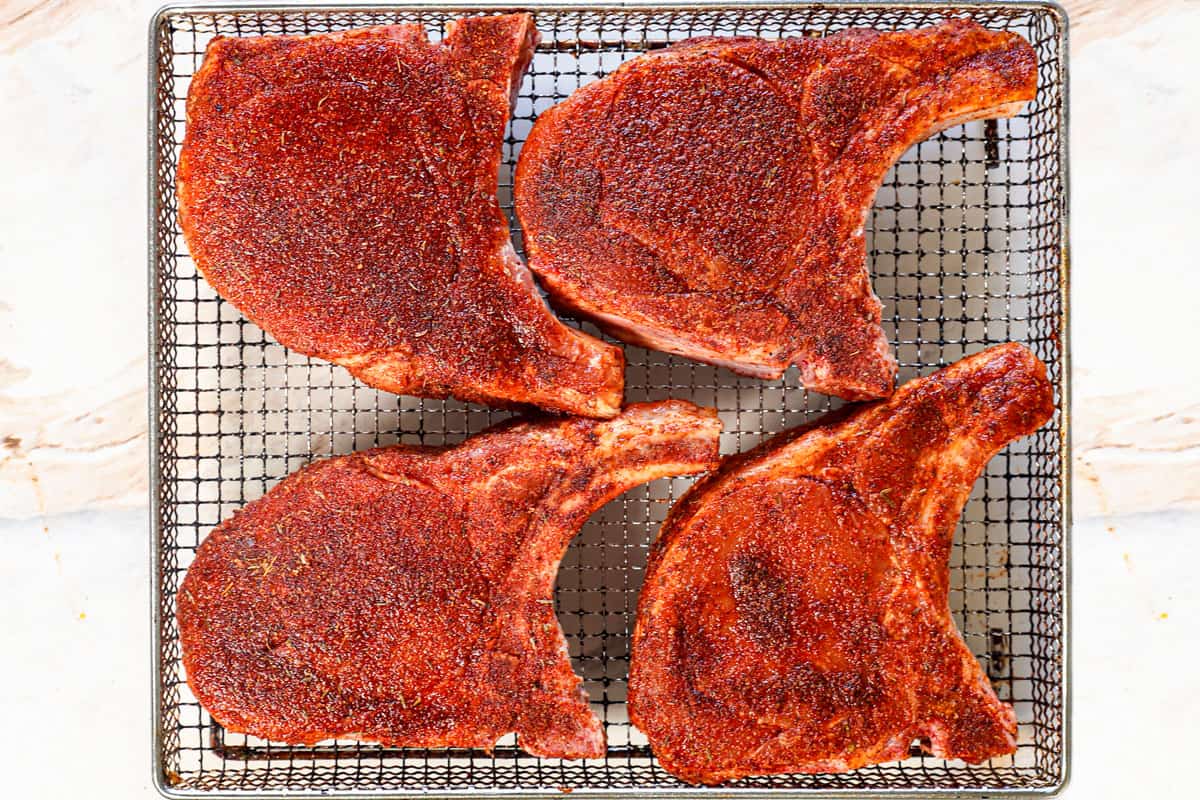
(340, 190)
(404, 595)
(795, 617)
(709, 199)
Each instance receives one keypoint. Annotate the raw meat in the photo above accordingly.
(340, 190)
(404, 595)
(709, 199)
(795, 617)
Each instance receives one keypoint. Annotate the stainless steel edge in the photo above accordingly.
(159, 778)
(1064, 288)
(680, 793)
(683, 793)
(631, 5)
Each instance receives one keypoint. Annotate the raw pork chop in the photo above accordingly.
(404, 595)
(340, 190)
(709, 199)
(795, 615)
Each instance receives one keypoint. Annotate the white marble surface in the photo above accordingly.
(74, 682)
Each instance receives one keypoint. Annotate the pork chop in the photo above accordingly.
(795, 616)
(404, 595)
(709, 199)
(340, 190)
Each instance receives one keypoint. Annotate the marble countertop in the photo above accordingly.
(75, 684)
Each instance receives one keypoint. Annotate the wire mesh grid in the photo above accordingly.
(966, 249)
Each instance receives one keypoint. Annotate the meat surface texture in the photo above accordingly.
(795, 616)
(404, 595)
(340, 190)
(709, 199)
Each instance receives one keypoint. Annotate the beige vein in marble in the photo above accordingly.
(1138, 452)
(72, 255)
(1135, 165)
(59, 455)
(23, 21)
(1099, 19)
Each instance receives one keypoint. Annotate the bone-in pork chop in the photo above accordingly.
(340, 190)
(795, 616)
(709, 199)
(404, 595)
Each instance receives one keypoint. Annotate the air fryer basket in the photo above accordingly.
(967, 248)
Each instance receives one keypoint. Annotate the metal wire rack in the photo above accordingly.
(967, 249)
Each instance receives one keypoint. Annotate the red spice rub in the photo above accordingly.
(795, 617)
(340, 190)
(708, 199)
(404, 595)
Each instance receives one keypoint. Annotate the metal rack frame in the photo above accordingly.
(968, 247)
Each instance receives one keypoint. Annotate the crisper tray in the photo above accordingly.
(967, 248)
